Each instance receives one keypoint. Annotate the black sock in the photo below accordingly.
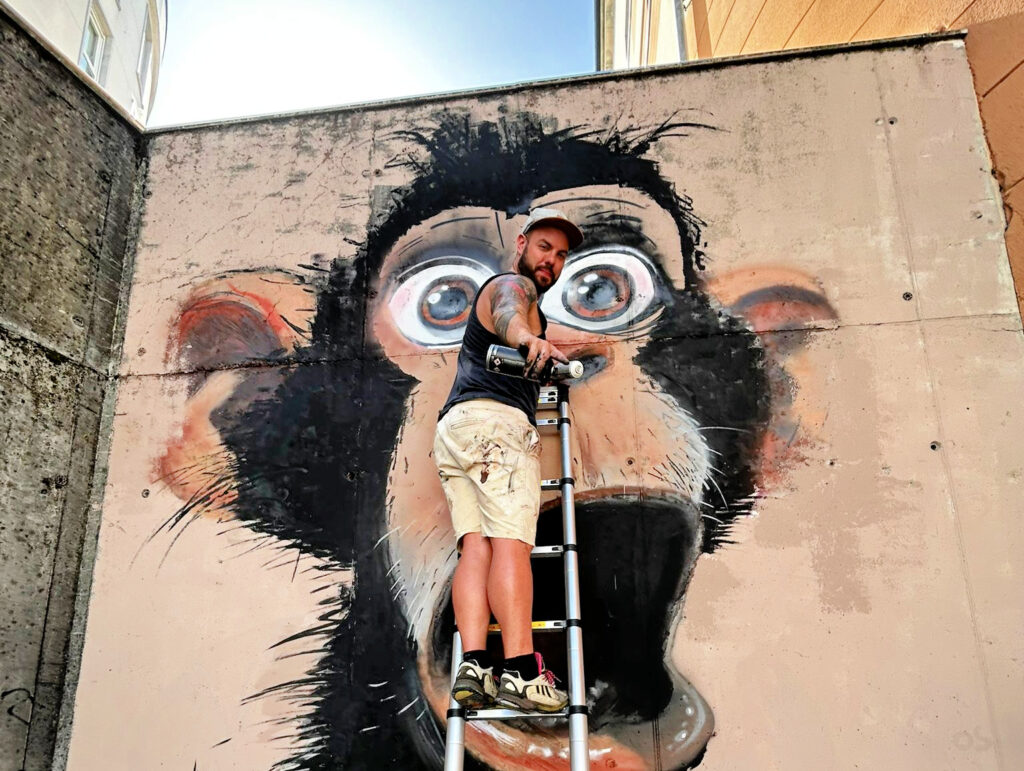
(482, 658)
(525, 666)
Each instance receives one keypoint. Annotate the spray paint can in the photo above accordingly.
(508, 361)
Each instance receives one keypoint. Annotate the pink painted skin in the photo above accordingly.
(423, 548)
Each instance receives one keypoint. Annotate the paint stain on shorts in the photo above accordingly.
(486, 450)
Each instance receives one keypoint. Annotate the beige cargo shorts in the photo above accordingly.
(488, 457)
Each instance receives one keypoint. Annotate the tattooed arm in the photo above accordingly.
(512, 298)
(511, 301)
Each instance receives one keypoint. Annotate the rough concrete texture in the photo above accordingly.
(50, 412)
(67, 170)
(67, 174)
(274, 551)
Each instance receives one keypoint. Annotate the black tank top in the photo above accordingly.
(473, 381)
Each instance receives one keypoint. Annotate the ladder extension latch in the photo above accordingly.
(547, 551)
(543, 422)
(556, 484)
(511, 714)
(548, 398)
(537, 626)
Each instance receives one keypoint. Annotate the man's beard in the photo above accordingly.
(527, 272)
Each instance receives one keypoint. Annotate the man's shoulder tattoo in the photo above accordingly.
(514, 286)
(512, 296)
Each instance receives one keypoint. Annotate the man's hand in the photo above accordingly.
(512, 299)
(539, 353)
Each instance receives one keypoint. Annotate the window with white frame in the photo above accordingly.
(94, 43)
(145, 65)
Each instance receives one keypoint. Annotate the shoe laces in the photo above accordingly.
(547, 674)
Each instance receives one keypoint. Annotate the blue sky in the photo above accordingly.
(224, 62)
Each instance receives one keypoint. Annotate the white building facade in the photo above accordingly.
(641, 33)
(117, 43)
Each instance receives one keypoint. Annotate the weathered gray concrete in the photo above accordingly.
(48, 410)
(68, 166)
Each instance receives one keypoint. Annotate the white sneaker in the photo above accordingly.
(536, 695)
(474, 686)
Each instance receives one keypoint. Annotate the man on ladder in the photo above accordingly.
(487, 452)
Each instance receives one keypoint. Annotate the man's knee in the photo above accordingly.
(475, 546)
(511, 548)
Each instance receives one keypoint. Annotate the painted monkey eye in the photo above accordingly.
(446, 302)
(607, 289)
(599, 293)
(431, 302)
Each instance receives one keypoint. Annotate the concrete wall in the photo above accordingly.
(797, 451)
(996, 40)
(67, 171)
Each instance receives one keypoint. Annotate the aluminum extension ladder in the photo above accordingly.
(551, 397)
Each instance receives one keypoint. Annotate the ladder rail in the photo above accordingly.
(576, 711)
(579, 753)
(455, 733)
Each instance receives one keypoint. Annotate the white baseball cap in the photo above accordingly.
(555, 219)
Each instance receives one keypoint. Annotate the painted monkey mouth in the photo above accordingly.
(635, 561)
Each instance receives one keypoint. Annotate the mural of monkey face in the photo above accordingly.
(645, 468)
(332, 455)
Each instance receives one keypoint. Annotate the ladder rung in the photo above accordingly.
(550, 484)
(547, 551)
(541, 422)
(509, 714)
(548, 398)
(536, 626)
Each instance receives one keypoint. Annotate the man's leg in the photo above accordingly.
(526, 684)
(469, 591)
(510, 593)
